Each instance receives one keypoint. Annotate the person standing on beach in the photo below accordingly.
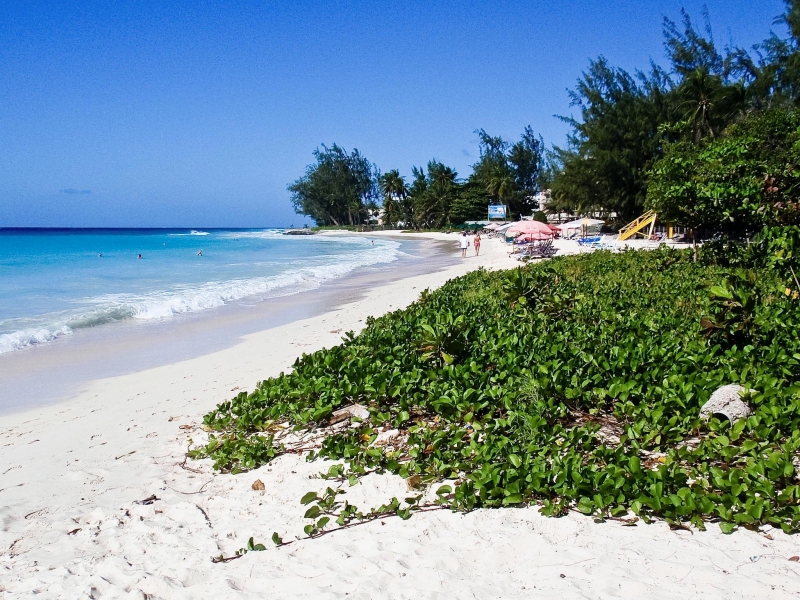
(477, 242)
(464, 244)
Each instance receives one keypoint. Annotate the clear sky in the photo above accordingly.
(198, 114)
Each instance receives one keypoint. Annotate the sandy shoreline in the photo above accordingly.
(70, 476)
(56, 371)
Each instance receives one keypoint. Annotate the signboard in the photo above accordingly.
(497, 211)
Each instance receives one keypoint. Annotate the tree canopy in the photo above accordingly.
(659, 138)
(344, 189)
(744, 181)
(628, 123)
(510, 173)
(339, 189)
(604, 168)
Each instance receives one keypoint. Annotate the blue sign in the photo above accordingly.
(497, 211)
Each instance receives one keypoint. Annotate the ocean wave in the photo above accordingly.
(23, 338)
(192, 232)
(165, 304)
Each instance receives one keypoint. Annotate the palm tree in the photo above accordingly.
(501, 184)
(395, 191)
(707, 104)
(442, 193)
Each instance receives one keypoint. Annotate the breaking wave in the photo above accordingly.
(165, 304)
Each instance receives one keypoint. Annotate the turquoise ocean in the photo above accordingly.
(54, 282)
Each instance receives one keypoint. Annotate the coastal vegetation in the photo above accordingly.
(632, 133)
(341, 190)
(636, 129)
(574, 384)
(577, 383)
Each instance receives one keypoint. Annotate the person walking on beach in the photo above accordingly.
(464, 241)
(477, 242)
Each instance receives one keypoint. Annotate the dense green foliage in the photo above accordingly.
(505, 173)
(614, 144)
(629, 122)
(574, 383)
(632, 138)
(510, 173)
(747, 179)
(340, 189)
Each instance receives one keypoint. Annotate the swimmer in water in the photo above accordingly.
(200, 253)
(140, 256)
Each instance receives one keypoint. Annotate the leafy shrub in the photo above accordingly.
(778, 248)
(733, 305)
(574, 384)
(725, 252)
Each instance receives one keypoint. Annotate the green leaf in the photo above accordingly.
(308, 498)
(727, 528)
(276, 539)
(585, 505)
(723, 292)
(312, 513)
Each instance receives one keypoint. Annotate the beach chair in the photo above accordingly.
(590, 241)
(545, 249)
(608, 242)
(655, 241)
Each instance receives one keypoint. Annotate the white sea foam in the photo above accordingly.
(165, 304)
(256, 234)
(192, 232)
(30, 337)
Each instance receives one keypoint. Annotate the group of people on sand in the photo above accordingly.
(464, 242)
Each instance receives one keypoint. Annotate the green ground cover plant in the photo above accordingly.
(574, 384)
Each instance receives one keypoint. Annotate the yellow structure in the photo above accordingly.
(635, 227)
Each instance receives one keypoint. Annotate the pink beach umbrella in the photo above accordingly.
(533, 230)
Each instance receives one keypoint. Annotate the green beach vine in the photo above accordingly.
(575, 384)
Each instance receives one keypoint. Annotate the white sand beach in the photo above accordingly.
(71, 475)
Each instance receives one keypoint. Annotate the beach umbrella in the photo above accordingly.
(530, 237)
(554, 228)
(580, 223)
(534, 230)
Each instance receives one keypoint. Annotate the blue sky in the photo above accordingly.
(138, 113)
